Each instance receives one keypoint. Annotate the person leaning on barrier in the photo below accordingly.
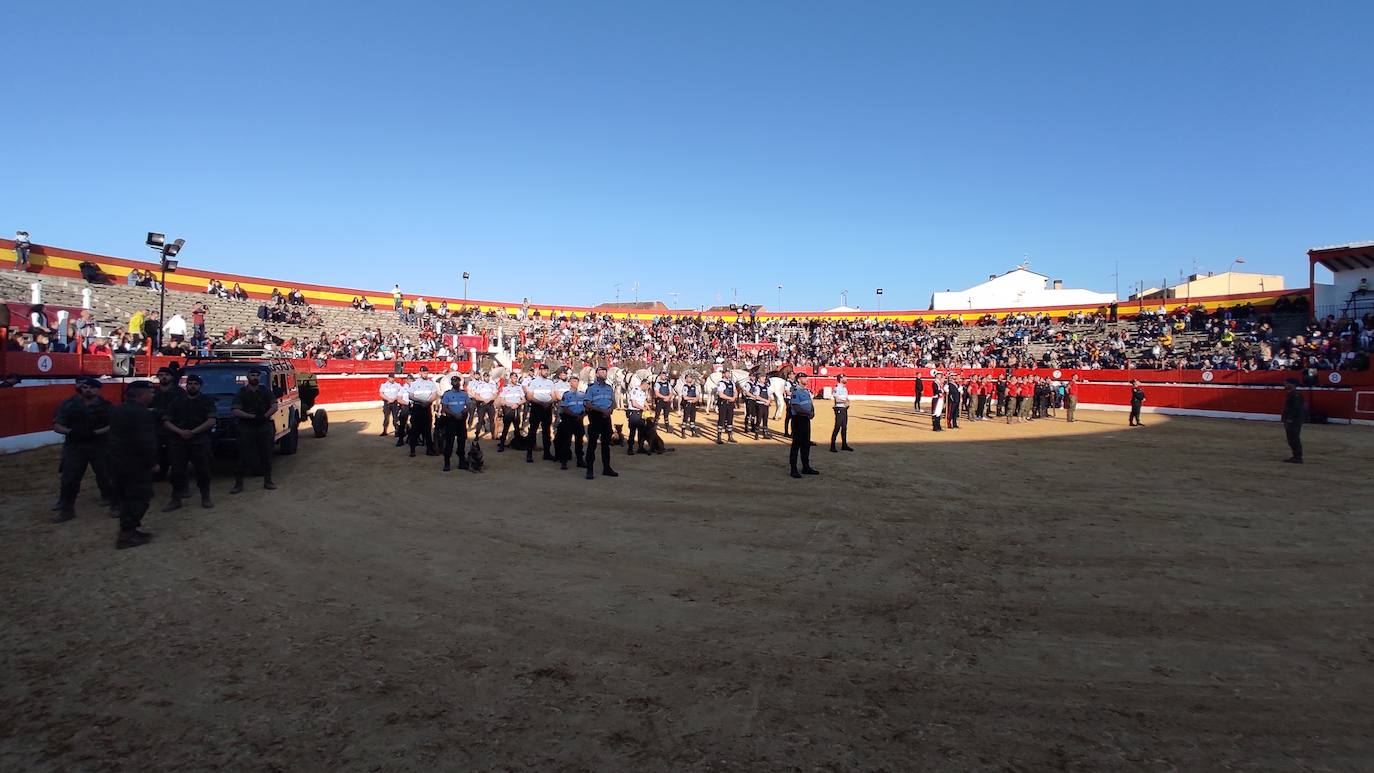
(253, 408)
(133, 447)
(1293, 411)
(189, 420)
(572, 407)
(83, 421)
(803, 410)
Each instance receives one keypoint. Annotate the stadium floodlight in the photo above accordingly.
(165, 254)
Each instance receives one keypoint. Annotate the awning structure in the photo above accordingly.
(1344, 257)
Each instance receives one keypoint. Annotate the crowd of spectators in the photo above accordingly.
(1239, 338)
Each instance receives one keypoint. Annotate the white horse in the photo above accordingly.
(777, 395)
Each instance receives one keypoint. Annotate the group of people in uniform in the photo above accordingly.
(159, 431)
(568, 421)
(983, 397)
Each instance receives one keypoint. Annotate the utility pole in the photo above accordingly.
(617, 293)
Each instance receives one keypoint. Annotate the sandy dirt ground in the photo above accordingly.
(1043, 596)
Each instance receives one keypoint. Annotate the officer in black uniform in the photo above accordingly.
(83, 420)
(254, 406)
(168, 391)
(663, 400)
(918, 394)
(725, 407)
(189, 420)
(600, 402)
(1137, 400)
(803, 410)
(1293, 409)
(691, 398)
(572, 408)
(133, 447)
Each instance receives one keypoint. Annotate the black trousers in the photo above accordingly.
(454, 430)
(689, 413)
(76, 456)
(568, 429)
(1135, 414)
(255, 449)
(725, 417)
(389, 416)
(197, 453)
(841, 429)
(801, 442)
(402, 418)
(787, 417)
(484, 419)
(598, 428)
(663, 406)
(541, 418)
(135, 494)
(510, 421)
(935, 421)
(1294, 432)
(760, 417)
(634, 419)
(421, 417)
(952, 415)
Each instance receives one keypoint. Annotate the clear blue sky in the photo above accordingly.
(554, 149)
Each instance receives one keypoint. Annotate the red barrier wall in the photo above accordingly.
(30, 409)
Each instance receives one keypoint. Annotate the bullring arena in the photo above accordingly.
(1027, 596)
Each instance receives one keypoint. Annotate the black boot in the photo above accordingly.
(205, 500)
(173, 505)
(65, 513)
(238, 486)
(268, 484)
(132, 538)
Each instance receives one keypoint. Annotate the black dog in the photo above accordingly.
(618, 437)
(650, 441)
(521, 441)
(475, 456)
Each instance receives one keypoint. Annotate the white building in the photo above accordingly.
(1351, 291)
(1017, 288)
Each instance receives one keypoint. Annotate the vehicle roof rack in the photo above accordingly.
(241, 352)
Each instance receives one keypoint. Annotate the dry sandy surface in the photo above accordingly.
(1034, 597)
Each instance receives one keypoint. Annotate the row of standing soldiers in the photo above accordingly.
(157, 431)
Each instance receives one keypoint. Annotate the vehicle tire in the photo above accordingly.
(292, 438)
(320, 421)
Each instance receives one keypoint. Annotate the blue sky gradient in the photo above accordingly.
(710, 149)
